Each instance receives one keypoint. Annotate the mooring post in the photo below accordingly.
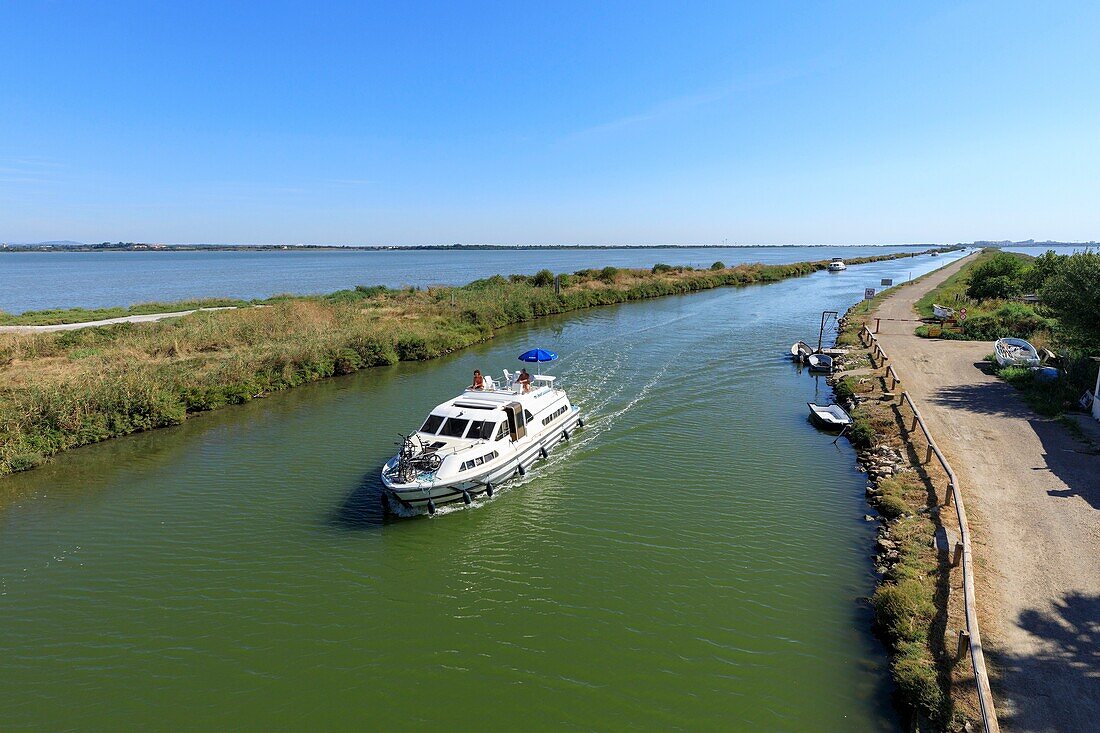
(958, 554)
(964, 644)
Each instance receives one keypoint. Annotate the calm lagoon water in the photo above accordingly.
(694, 559)
(39, 280)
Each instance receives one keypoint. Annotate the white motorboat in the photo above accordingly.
(942, 312)
(820, 363)
(837, 264)
(800, 351)
(832, 417)
(1015, 352)
(471, 443)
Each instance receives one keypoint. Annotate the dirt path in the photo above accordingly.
(149, 317)
(1033, 492)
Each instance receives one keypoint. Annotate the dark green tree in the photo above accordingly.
(1072, 295)
(999, 277)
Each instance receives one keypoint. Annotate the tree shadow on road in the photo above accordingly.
(990, 398)
(1066, 457)
(1058, 688)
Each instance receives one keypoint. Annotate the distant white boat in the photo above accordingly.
(1015, 352)
(837, 264)
(820, 363)
(832, 417)
(942, 312)
(801, 351)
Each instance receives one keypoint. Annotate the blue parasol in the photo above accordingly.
(538, 356)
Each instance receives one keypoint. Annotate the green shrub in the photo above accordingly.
(844, 389)
(719, 265)
(661, 267)
(999, 277)
(608, 274)
(863, 435)
(543, 279)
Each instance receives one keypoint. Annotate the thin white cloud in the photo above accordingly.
(678, 105)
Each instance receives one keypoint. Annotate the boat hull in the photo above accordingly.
(417, 495)
(1016, 352)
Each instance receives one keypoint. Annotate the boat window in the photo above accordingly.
(482, 429)
(527, 416)
(431, 425)
(454, 427)
(502, 431)
(479, 460)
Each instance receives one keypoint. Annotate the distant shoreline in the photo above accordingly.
(139, 247)
(146, 247)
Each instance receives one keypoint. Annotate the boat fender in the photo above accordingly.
(522, 471)
(431, 507)
(542, 451)
(466, 498)
(489, 489)
(580, 422)
(565, 435)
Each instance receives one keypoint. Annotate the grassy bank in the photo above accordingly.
(910, 603)
(67, 389)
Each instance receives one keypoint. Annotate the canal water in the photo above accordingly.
(696, 558)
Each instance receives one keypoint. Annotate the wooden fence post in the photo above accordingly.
(964, 644)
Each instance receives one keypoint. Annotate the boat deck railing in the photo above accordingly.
(970, 638)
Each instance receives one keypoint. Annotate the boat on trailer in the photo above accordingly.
(470, 444)
(1016, 352)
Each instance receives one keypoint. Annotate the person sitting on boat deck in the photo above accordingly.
(524, 380)
(479, 381)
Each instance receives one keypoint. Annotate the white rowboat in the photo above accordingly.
(832, 416)
(1015, 352)
(801, 351)
(820, 363)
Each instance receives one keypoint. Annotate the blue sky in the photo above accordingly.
(562, 122)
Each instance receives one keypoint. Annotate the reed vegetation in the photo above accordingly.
(66, 389)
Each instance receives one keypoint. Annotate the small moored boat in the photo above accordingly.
(837, 264)
(469, 444)
(820, 363)
(1015, 352)
(801, 351)
(832, 417)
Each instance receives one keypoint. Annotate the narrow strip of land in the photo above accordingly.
(1033, 490)
(145, 318)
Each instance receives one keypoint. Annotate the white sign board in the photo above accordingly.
(868, 293)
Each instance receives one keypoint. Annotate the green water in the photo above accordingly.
(695, 559)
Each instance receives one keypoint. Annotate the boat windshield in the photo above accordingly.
(481, 429)
(454, 427)
(431, 425)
